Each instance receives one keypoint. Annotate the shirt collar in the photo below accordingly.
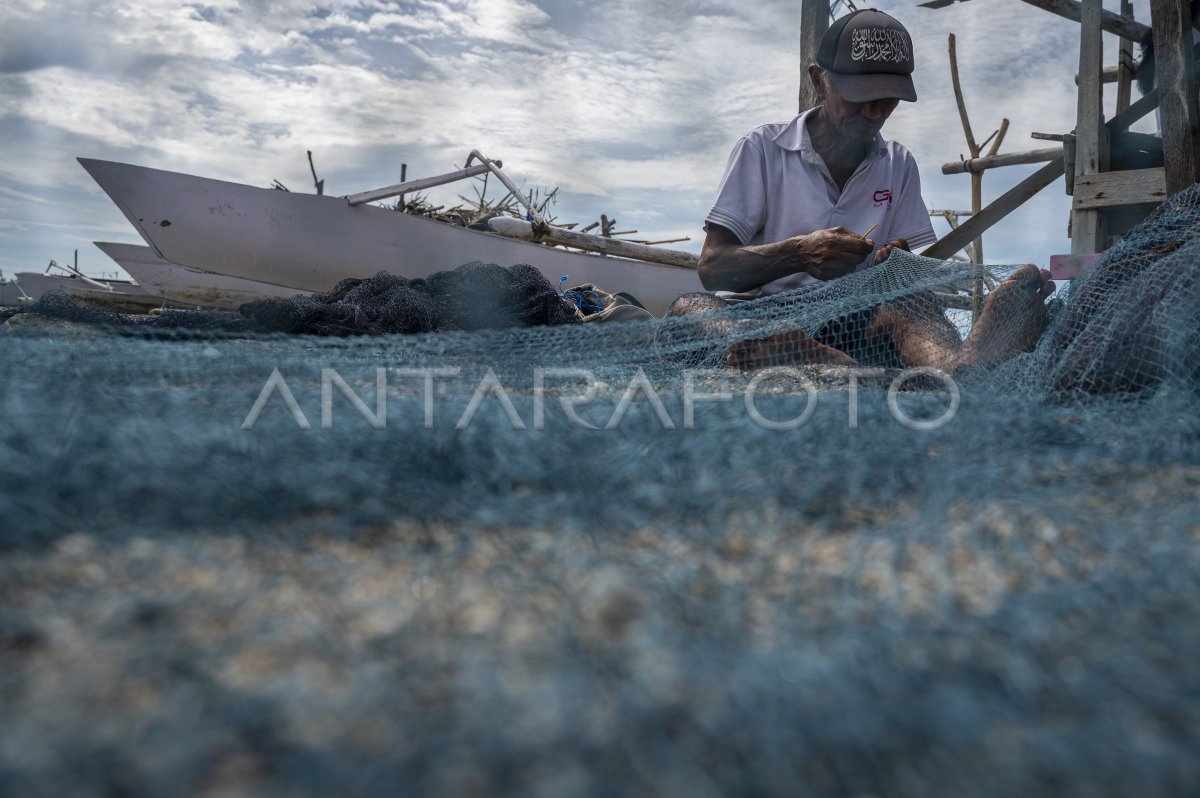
(795, 137)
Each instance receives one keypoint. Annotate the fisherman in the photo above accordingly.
(804, 202)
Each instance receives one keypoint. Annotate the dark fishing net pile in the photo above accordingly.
(594, 559)
(475, 296)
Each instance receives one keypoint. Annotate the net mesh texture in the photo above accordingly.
(839, 542)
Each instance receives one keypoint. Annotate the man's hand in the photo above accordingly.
(830, 253)
(887, 248)
(728, 265)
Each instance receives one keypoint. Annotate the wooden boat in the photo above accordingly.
(309, 242)
(188, 287)
(13, 294)
(121, 296)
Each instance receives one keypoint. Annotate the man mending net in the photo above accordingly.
(794, 193)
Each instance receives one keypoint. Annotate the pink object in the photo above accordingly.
(1067, 267)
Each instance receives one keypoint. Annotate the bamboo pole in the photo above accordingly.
(958, 98)
(1111, 74)
(525, 231)
(976, 180)
(415, 185)
(976, 166)
(976, 247)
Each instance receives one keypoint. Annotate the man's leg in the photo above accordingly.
(752, 354)
(917, 327)
(789, 348)
(1011, 322)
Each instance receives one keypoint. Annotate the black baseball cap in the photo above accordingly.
(870, 57)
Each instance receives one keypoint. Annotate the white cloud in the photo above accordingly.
(630, 103)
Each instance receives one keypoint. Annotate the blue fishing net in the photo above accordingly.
(683, 556)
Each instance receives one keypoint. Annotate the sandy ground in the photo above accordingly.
(1001, 654)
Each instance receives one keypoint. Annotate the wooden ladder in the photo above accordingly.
(1109, 197)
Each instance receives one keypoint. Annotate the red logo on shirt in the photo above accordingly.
(883, 195)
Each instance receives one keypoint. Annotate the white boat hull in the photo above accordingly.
(188, 287)
(35, 284)
(310, 242)
(11, 295)
(125, 297)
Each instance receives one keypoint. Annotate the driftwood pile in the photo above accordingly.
(479, 210)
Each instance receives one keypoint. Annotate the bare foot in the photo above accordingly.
(1013, 317)
(784, 349)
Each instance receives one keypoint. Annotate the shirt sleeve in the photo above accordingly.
(910, 214)
(741, 204)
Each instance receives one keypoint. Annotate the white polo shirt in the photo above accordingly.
(777, 186)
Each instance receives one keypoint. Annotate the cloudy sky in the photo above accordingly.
(630, 107)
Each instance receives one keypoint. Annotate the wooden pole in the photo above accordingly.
(1088, 231)
(1133, 113)
(1124, 62)
(814, 21)
(995, 211)
(1119, 26)
(1174, 76)
(1014, 197)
